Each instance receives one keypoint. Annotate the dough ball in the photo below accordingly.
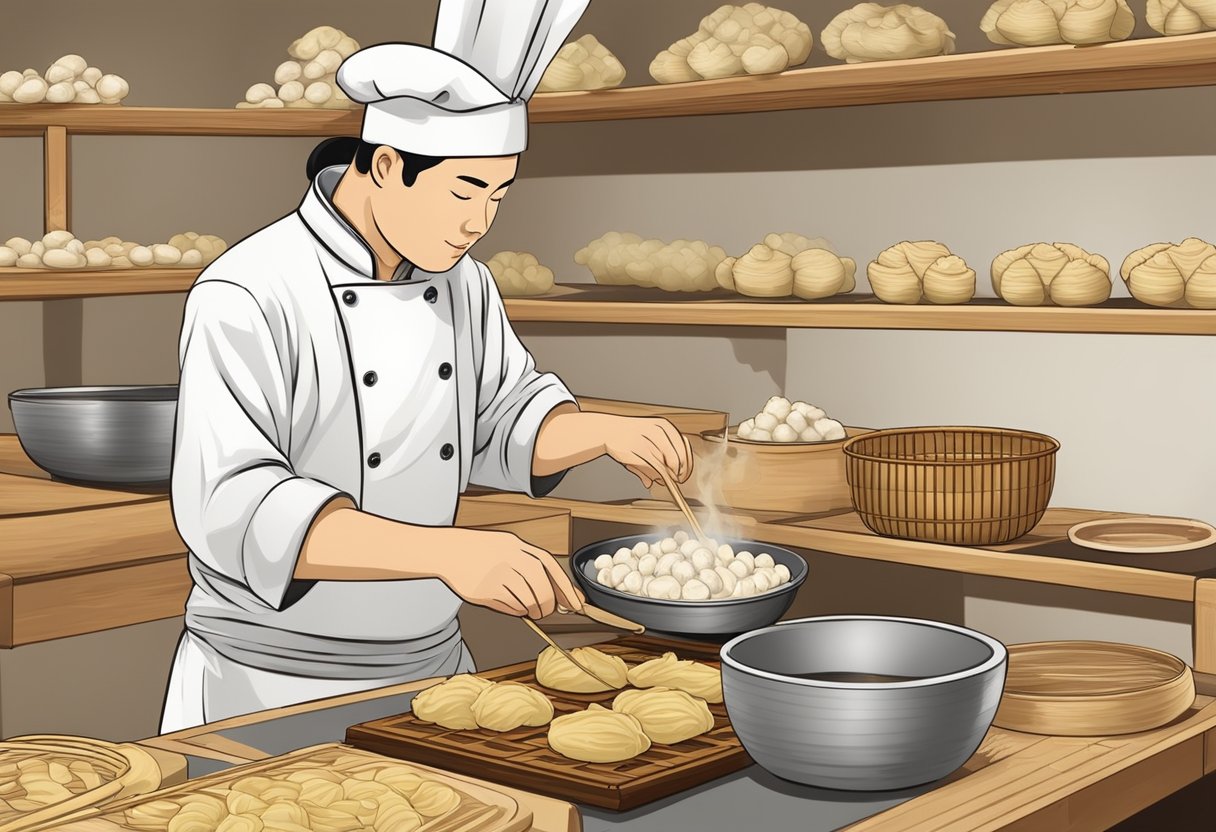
(748, 560)
(598, 735)
(667, 716)
(810, 435)
(603, 562)
(767, 422)
(738, 568)
(640, 548)
(761, 582)
(829, 429)
(797, 421)
(694, 590)
(553, 670)
(680, 537)
(670, 545)
(619, 571)
(783, 573)
(450, 704)
(604, 577)
(764, 561)
(711, 579)
(725, 554)
(632, 583)
(700, 680)
(729, 579)
(778, 407)
(745, 588)
(761, 436)
(655, 549)
(683, 571)
(664, 564)
(432, 799)
(622, 555)
(811, 413)
(510, 705)
(646, 565)
(703, 559)
(688, 547)
(785, 433)
(665, 588)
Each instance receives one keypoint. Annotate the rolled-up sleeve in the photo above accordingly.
(237, 503)
(513, 401)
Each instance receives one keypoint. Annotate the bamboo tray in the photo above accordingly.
(522, 758)
(1090, 689)
(125, 769)
(482, 808)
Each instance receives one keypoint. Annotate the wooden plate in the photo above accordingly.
(1091, 688)
(1143, 535)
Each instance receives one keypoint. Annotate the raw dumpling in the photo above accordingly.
(553, 670)
(598, 735)
(667, 716)
(450, 704)
(701, 680)
(508, 705)
(433, 798)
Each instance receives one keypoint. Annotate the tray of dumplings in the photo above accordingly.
(325, 788)
(550, 728)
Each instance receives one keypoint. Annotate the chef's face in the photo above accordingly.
(433, 222)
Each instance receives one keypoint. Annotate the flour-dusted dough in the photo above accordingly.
(598, 735)
(553, 670)
(450, 704)
(667, 716)
(701, 680)
(506, 706)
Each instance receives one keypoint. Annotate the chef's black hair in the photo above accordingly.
(346, 150)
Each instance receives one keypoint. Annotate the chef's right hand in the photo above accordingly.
(499, 571)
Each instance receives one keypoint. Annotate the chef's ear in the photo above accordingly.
(384, 162)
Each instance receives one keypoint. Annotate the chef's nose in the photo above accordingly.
(477, 223)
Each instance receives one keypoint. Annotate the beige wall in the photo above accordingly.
(1111, 171)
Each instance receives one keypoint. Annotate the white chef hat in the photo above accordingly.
(467, 94)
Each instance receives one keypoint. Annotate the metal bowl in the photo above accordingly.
(98, 435)
(698, 619)
(862, 703)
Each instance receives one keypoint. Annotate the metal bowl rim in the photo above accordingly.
(715, 603)
(54, 395)
(998, 657)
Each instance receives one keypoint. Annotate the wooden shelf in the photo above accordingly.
(591, 303)
(1149, 63)
(50, 284)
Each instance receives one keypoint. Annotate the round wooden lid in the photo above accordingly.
(1143, 535)
(1079, 688)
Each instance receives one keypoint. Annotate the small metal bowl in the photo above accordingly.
(119, 436)
(707, 620)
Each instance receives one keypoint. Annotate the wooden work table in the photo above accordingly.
(1013, 782)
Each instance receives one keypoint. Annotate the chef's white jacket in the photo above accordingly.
(303, 379)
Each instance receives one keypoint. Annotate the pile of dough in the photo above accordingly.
(623, 259)
(555, 671)
(506, 706)
(585, 64)
(681, 568)
(1045, 22)
(61, 250)
(667, 716)
(308, 80)
(598, 735)
(33, 782)
(907, 272)
(788, 264)
(467, 702)
(1181, 17)
(1042, 274)
(1168, 274)
(784, 421)
(519, 274)
(70, 80)
(354, 793)
(701, 680)
(752, 39)
(872, 32)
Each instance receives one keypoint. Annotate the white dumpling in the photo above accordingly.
(778, 407)
(663, 566)
(764, 561)
(640, 548)
(739, 568)
(683, 571)
(646, 564)
(622, 555)
(665, 587)
(604, 577)
(688, 547)
(703, 559)
(680, 537)
(632, 583)
(694, 590)
(619, 571)
(766, 422)
(711, 579)
(725, 554)
(748, 560)
(729, 579)
(603, 562)
(745, 588)
(670, 545)
(761, 581)
(745, 430)
(784, 433)
(782, 572)
(761, 436)
(809, 435)
(811, 413)
(797, 421)
(829, 429)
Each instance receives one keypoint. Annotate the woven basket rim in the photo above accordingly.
(1053, 445)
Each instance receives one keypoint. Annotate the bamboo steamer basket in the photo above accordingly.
(1092, 689)
(128, 771)
(967, 486)
(789, 477)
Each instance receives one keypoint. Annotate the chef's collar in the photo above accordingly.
(339, 237)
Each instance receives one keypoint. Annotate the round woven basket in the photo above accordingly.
(970, 486)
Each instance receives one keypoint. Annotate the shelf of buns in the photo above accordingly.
(595, 304)
(1149, 63)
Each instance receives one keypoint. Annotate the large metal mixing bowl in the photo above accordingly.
(863, 703)
(120, 436)
(699, 619)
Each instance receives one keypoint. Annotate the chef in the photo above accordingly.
(348, 370)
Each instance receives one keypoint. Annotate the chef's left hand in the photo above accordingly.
(644, 444)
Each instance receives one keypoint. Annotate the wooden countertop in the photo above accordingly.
(1015, 782)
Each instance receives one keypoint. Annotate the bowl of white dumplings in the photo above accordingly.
(681, 585)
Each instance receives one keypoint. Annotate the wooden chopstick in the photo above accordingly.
(536, 629)
(682, 503)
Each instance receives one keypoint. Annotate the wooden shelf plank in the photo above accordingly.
(47, 284)
(1149, 63)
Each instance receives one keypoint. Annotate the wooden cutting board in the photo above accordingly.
(483, 808)
(1092, 688)
(523, 759)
